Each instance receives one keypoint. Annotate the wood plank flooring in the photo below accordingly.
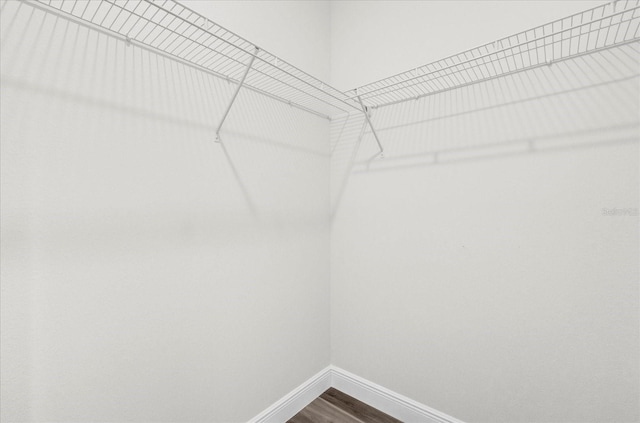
(334, 406)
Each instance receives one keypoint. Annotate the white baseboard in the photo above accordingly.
(289, 405)
(385, 400)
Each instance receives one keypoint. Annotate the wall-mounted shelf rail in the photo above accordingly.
(168, 27)
(610, 25)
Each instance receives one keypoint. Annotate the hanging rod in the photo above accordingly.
(173, 30)
(606, 26)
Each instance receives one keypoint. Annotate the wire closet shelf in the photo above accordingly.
(603, 27)
(170, 28)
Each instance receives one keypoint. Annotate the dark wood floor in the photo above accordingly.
(334, 406)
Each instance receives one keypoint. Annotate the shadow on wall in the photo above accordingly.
(585, 102)
(163, 109)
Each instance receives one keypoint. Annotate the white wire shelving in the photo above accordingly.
(168, 27)
(606, 26)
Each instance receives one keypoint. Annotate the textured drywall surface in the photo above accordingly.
(488, 265)
(148, 273)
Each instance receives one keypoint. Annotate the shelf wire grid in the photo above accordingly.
(609, 25)
(168, 27)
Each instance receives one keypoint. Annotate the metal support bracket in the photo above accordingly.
(235, 94)
(365, 110)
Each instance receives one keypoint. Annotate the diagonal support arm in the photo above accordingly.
(365, 110)
(240, 84)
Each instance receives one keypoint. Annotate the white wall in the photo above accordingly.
(147, 274)
(371, 40)
(297, 31)
(473, 269)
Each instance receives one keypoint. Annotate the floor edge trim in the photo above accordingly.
(377, 396)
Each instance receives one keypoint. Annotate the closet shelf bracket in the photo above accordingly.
(366, 111)
(235, 94)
